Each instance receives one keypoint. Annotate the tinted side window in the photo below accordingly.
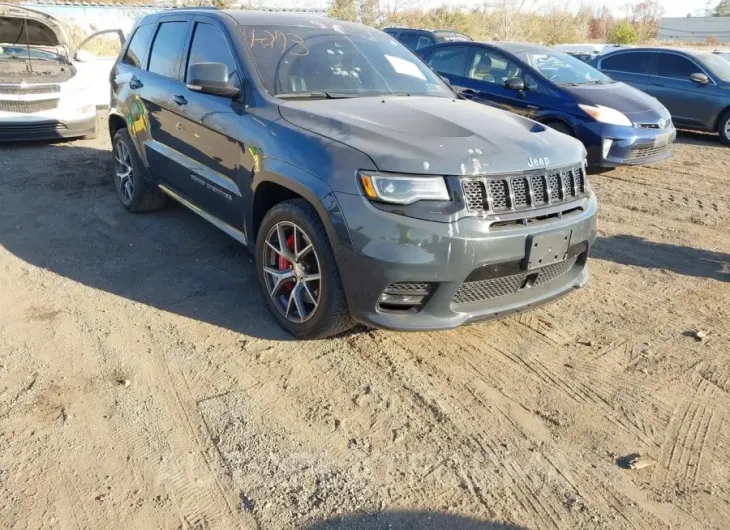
(676, 66)
(630, 62)
(493, 67)
(450, 61)
(137, 49)
(423, 41)
(167, 48)
(210, 46)
(409, 39)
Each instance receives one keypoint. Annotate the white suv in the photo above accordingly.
(43, 95)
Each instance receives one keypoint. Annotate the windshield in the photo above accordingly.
(562, 69)
(719, 67)
(21, 52)
(340, 61)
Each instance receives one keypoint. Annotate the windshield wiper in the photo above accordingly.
(314, 95)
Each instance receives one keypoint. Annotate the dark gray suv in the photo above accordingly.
(365, 189)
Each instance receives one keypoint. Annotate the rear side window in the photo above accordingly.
(138, 46)
(676, 67)
(629, 62)
(423, 41)
(409, 39)
(450, 61)
(167, 48)
(210, 46)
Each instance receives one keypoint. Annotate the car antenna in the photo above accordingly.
(29, 67)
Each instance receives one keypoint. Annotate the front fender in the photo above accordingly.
(310, 187)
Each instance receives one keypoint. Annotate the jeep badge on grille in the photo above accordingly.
(538, 162)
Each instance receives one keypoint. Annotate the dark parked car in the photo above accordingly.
(617, 123)
(363, 187)
(420, 38)
(693, 85)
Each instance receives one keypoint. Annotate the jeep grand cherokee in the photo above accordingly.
(365, 188)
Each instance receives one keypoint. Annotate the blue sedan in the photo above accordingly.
(617, 123)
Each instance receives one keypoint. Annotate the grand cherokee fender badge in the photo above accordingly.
(538, 162)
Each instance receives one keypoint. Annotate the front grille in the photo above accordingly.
(19, 90)
(480, 290)
(483, 195)
(640, 153)
(28, 107)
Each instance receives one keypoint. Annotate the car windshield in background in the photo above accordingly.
(718, 66)
(22, 52)
(314, 61)
(562, 69)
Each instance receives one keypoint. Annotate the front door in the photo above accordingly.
(691, 104)
(207, 130)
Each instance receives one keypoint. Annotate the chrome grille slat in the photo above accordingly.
(485, 195)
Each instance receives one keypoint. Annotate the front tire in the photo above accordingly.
(561, 127)
(723, 128)
(298, 273)
(135, 194)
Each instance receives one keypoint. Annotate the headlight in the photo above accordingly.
(606, 115)
(402, 189)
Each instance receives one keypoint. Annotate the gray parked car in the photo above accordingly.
(366, 190)
(693, 85)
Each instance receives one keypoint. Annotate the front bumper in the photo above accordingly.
(629, 145)
(46, 116)
(390, 248)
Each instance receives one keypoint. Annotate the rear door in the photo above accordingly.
(631, 67)
(207, 128)
(690, 104)
(163, 72)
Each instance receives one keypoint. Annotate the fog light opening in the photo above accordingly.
(607, 143)
(404, 296)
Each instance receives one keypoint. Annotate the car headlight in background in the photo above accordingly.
(402, 189)
(606, 115)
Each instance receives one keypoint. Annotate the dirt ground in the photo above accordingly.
(144, 385)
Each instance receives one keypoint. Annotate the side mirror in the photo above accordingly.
(83, 56)
(515, 83)
(702, 79)
(211, 78)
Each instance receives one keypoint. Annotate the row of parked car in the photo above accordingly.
(369, 187)
(623, 105)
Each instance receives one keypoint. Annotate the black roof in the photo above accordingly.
(251, 17)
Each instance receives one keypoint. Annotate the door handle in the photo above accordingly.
(657, 84)
(180, 100)
(468, 93)
(135, 83)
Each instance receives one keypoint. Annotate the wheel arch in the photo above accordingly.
(116, 122)
(279, 182)
(553, 118)
(724, 112)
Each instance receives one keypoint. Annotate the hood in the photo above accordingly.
(636, 104)
(432, 135)
(43, 29)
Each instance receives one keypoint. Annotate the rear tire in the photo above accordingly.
(306, 308)
(723, 128)
(134, 192)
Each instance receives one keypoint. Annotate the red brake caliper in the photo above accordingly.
(284, 263)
